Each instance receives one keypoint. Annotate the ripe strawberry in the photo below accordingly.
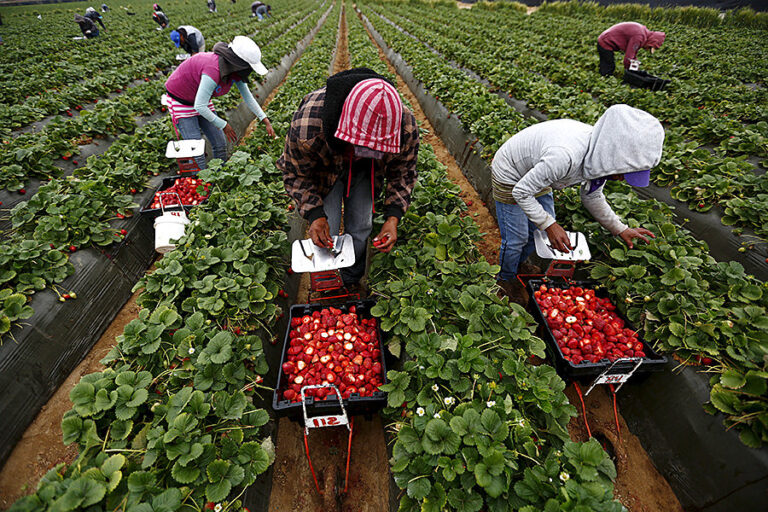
(133, 191)
(74, 162)
(123, 232)
(66, 295)
(22, 191)
(290, 207)
(72, 248)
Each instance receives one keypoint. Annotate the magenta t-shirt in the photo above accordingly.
(185, 80)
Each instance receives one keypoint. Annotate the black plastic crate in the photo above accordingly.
(652, 362)
(355, 404)
(645, 80)
(165, 185)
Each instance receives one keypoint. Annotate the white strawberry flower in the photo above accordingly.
(449, 400)
(217, 508)
(435, 388)
(420, 411)
(191, 350)
(437, 416)
(565, 476)
(490, 403)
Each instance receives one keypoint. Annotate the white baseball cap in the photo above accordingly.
(245, 48)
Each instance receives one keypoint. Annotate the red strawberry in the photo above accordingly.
(133, 191)
(123, 232)
(72, 248)
(22, 191)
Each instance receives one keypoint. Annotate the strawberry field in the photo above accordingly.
(476, 417)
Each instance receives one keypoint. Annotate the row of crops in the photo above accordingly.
(86, 207)
(176, 420)
(687, 303)
(173, 422)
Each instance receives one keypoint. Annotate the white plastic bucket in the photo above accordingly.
(169, 226)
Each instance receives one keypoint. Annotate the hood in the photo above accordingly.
(90, 9)
(624, 139)
(655, 40)
(229, 63)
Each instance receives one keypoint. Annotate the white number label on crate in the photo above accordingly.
(327, 421)
(616, 378)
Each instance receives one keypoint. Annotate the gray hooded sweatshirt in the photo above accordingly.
(563, 152)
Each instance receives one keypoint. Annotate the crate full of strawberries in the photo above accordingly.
(340, 345)
(584, 331)
(191, 190)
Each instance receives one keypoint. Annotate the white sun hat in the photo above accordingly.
(245, 48)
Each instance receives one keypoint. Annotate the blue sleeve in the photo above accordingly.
(250, 100)
(203, 97)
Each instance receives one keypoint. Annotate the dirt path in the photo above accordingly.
(293, 488)
(639, 486)
(40, 449)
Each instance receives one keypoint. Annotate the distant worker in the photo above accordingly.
(628, 37)
(160, 18)
(212, 6)
(261, 10)
(156, 7)
(87, 26)
(95, 17)
(104, 8)
(204, 75)
(188, 38)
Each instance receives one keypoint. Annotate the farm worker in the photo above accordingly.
(160, 18)
(156, 8)
(204, 75)
(188, 38)
(627, 37)
(344, 141)
(104, 8)
(87, 27)
(260, 10)
(212, 6)
(624, 144)
(94, 17)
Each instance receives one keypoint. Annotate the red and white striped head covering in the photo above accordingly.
(371, 116)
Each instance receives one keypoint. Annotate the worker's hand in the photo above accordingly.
(230, 133)
(320, 233)
(270, 130)
(628, 234)
(558, 238)
(387, 237)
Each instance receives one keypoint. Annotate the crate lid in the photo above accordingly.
(580, 251)
(307, 257)
(187, 148)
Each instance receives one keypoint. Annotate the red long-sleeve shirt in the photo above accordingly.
(629, 37)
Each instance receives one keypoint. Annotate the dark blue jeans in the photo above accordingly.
(517, 235)
(191, 128)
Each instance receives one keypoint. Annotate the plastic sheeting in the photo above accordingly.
(708, 467)
(52, 343)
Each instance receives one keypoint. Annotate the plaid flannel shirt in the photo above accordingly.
(311, 167)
